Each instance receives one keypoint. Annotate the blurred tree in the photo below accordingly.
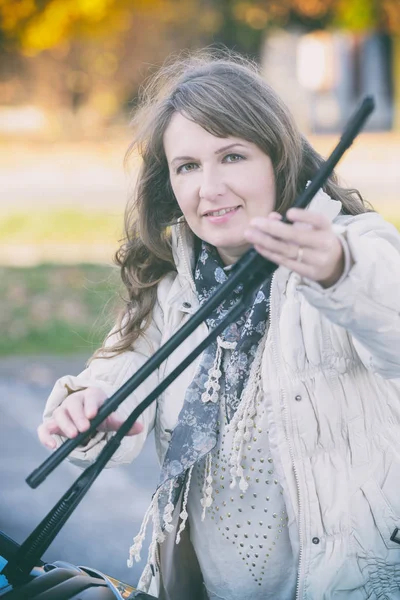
(37, 25)
(89, 56)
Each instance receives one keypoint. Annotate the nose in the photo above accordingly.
(212, 185)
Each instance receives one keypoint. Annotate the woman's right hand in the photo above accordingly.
(74, 414)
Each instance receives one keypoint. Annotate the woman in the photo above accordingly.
(280, 446)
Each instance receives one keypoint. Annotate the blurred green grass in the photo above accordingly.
(56, 309)
(71, 225)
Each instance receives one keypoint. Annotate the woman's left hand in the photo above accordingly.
(309, 246)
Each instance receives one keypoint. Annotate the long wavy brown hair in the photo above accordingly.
(226, 95)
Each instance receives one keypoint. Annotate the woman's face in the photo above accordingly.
(220, 184)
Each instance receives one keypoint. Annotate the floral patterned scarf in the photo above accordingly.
(195, 433)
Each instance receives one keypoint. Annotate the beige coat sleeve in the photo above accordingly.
(109, 374)
(366, 302)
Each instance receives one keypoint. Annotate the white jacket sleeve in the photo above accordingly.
(367, 301)
(109, 374)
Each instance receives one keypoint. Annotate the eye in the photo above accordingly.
(186, 168)
(233, 158)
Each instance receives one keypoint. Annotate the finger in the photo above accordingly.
(297, 234)
(137, 428)
(271, 244)
(304, 226)
(275, 216)
(66, 425)
(114, 422)
(93, 399)
(317, 255)
(45, 431)
(74, 407)
(300, 267)
(111, 423)
(300, 215)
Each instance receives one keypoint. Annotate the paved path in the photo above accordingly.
(100, 531)
(53, 175)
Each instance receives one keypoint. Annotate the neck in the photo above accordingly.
(230, 256)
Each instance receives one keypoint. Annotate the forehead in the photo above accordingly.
(183, 136)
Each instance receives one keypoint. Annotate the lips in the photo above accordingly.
(220, 212)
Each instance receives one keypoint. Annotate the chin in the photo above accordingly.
(225, 242)
(225, 239)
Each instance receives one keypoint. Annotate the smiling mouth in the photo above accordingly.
(219, 213)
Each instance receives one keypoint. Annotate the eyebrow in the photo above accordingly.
(217, 152)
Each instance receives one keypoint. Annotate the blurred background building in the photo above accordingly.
(323, 75)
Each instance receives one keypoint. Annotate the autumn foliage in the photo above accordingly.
(37, 25)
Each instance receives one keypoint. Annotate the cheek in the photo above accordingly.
(261, 194)
(267, 190)
(257, 182)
